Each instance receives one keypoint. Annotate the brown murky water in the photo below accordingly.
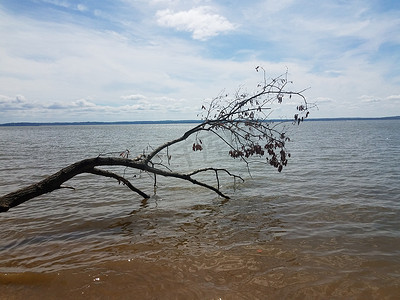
(326, 228)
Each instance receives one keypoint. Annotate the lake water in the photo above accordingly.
(327, 227)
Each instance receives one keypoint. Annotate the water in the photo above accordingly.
(328, 226)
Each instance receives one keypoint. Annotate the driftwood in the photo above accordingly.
(55, 181)
(241, 122)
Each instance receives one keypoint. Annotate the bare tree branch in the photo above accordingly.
(105, 173)
(240, 122)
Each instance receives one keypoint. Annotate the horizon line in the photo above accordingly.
(179, 121)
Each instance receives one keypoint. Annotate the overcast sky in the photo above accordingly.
(126, 60)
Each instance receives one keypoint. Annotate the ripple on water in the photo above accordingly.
(326, 227)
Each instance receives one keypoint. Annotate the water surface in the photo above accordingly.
(326, 227)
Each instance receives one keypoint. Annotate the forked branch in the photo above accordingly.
(241, 122)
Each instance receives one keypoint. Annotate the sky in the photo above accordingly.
(130, 60)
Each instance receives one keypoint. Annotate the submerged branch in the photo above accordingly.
(100, 172)
(239, 122)
(54, 181)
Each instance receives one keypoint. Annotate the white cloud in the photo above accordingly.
(66, 4)
(134, 97)
(369, 99)
(394, 97)
(266, 7)
(323, 100)
(60, 3)
(83, 103)
(201, 21)
(137, 73)
(18, 102)
(81, 7)
(165, 2)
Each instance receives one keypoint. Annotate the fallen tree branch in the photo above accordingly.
(54, 181)
(100, 172)
(239, 122)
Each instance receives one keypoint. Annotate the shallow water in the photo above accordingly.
(328, 226)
